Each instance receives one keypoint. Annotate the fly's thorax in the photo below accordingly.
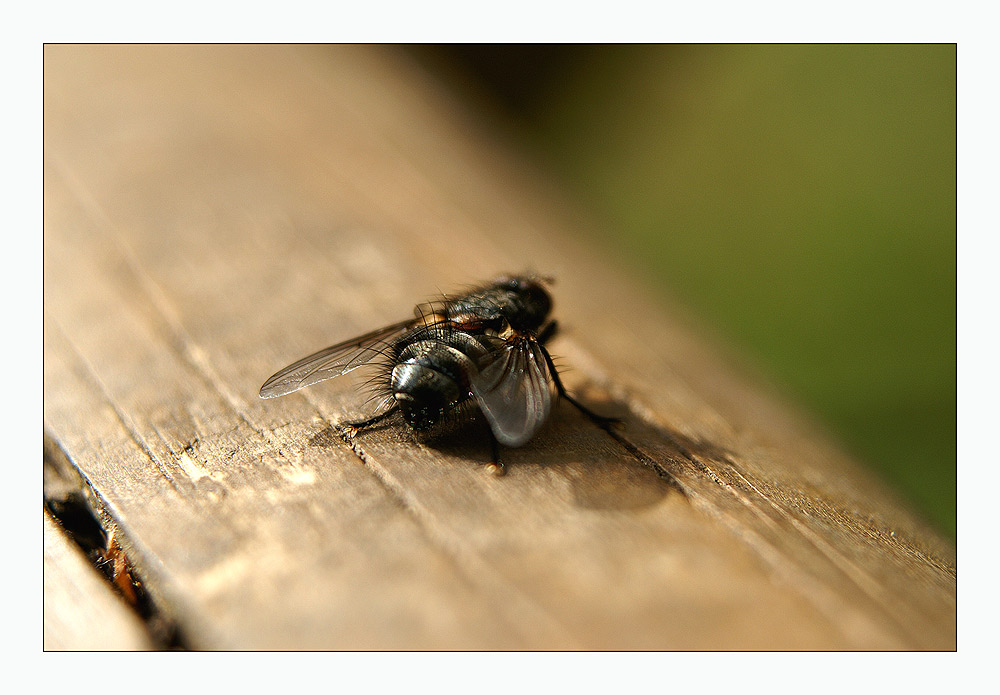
(433, 374)
(518, 301)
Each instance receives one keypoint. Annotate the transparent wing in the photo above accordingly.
(514, 391)
(335, 360)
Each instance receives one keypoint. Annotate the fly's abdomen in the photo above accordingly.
(433, 375)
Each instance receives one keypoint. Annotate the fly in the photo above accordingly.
(484, 348)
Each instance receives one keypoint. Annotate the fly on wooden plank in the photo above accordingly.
(484, 348)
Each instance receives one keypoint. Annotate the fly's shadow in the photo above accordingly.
(603, 465)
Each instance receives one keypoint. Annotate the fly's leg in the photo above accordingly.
(548, 330)
(599, 420)
(356, 427)
(495, 466)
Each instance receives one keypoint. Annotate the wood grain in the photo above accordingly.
(213, 213)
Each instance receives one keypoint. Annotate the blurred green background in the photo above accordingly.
(800, 198)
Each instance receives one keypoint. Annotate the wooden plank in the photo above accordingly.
(81, 610)
(213, 213)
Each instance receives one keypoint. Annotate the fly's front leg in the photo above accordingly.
(356, 427)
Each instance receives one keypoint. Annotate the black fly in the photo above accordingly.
(486, 347)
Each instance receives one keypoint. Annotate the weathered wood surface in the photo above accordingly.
(214, 213)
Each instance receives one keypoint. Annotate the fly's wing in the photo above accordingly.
(514, 391)
(333, 361)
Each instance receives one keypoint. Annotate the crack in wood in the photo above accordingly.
(76, 506)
